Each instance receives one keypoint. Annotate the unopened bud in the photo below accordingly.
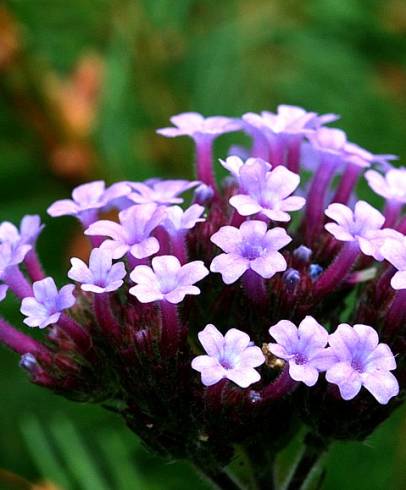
(315, 270)
(302, 254)
(291, 278)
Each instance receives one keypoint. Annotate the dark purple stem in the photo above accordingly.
(34, 267)
(17, 282)
(280, 387)
(331, 278)
(19, 342)
(104, 315)
(316, 199)
(276, 152)
(170, 327)
(293, 158)
(392, 212)
(347, 183)
(204, 157)
(402, 226)
(396, 315)
(80, 336)
(179, 246)
(260, 146)
(254, 286)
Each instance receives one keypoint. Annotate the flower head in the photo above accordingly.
(167, 279)
(165, 192)
(46, 306)
(101, 276)
(303, 348)
(231, 356)
(268, 192)
(362, 225)
(178, 219)
(391, 186)
(87, 198)
(252, 246)
(133, 233)
(195, 125)
(30, 228)
(394, 251)
(329, 141)
(362, 361)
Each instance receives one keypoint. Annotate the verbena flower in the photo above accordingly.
(392, 185)
(178, 219)
(270, 196)
(252, 246)
(362, 361)
(30, 228)
(133, 233)
(47, 304)
(231, 356)
(167, 280)
(11, 256)
(165, 192)
(303, 347)
(101, 275)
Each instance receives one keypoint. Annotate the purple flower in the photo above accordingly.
(362, 361)
(363, 158)
(195, 125)
(251, 166)
(179, 220)
(267, 193)
(101, 276)
(394, 251)
(232, 356)
(11, 256)
(46, 306)
(30, 228)
(362, 225)
(133, 234)
(303, 348)
(167, 279)
(329, 141)
(251, 246)
(391, 186)
(163, 192)
(3, 291)
(87, 198)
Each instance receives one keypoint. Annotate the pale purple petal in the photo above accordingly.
(244, 376)
(227, 238)
(347, 379)
(146, 248)
(79, 271)
(285, 333)
(230, 266)
(146, 294)
(252, 356)
(398, 281)
(344, 340)
(235, 342)
(245, 205)
(269, 264)
(382, 385)
(192, 272)
(178, 295)
(63, 207)
(212, 341)
(305, 373)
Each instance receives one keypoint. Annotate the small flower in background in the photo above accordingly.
(392, 185)
(163, 192)
(48, 303)
(167, 280)
(303, 347)
(179, 220)
(231, 356)
(101, 276)
(252, 246)
(30, 228)
(362, 361)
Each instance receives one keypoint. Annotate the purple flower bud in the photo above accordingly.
(251, 246)
(28, 362)
(101, 276)
(167, 279)
(302, 254)
(291, 278)
(303, 348)
(362, 361)
(204, 194)
(46, 306)
(315, 270)
(231, 356)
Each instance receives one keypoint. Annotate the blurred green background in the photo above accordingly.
(83, 86)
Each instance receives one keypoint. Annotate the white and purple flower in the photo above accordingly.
(101, 275)
(232, 356)
(47, 304)
(303, 348)
(252, 246)
(362, 361)
(167, 280)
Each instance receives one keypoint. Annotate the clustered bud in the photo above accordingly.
(270, 298)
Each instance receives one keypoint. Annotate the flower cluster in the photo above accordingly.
(274, 259)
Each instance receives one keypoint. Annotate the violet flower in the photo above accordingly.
(394, 251)
(231, 356)
(250, 247)
(178, 220)
(303, 347)
(101, 276)
(87, 199)
(133, 233)
(47, 304)
(362, 361)
(167, 279)
(30, 228)
(203, 131)
(11, 256)
(270, 196)
(165, 192)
